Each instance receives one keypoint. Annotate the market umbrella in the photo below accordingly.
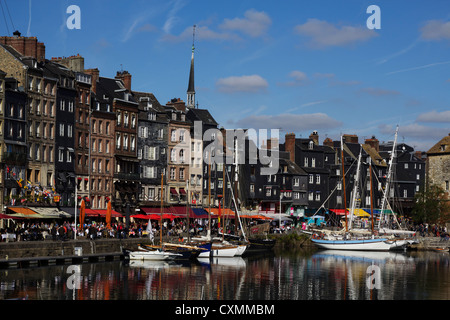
(108, 215)
(82, 213)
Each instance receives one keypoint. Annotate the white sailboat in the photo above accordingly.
(154, 253)
(351, 242)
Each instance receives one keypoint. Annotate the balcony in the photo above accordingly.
(127, 176)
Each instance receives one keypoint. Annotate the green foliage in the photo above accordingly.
(431, 205)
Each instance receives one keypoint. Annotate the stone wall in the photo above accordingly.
(33, 249)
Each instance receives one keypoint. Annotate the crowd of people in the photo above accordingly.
(27, 230)
(64, 230)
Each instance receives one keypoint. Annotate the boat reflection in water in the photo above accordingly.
(320, 275)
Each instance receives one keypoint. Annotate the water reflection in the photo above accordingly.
(324, 275)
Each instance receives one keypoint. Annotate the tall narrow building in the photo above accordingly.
(191, 87)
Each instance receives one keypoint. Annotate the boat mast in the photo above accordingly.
(371, 190)
(161, 212)
(355, 188)
(343, 184)
(209, 198)
(388, 178)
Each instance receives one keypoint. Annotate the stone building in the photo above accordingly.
(438, 164)
(117, 96)
(178, 152)
(13, 144)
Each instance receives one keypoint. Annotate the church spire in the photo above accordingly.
(191, 87)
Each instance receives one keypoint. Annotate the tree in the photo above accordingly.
(431, 205)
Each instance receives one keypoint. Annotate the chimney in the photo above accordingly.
(350, 138)
(27, 46)
(95, 73)
(178, 104)
(125, 76)
(314, 137)
(272, 143)
(289, 145)
(328, 142)
(374, 143)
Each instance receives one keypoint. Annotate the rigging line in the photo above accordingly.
(4, 18)
(7, 9)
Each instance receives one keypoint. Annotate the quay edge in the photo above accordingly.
(37, 253)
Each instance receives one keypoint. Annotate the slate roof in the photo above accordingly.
(202, 115)
(442, 147)
(113, 88)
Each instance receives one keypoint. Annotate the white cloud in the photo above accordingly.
(416, 131)
(172, 17)
(435, 30)
(289, 122)
(251, 83)
(324, 34)
(434, 116)
(201, 33)
(419, 67)
(255, 23)
(377, 92)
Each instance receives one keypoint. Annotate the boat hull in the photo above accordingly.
(224, 251)
(363, 244)
(152, 255)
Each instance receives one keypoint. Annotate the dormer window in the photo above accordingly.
(443, 146)
(174, 116)
(311, 145)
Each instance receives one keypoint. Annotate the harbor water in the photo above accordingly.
(315, 275)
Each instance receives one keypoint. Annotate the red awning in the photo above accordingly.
(102, 213)
(340, 212)
(173, 191)
(182, 191)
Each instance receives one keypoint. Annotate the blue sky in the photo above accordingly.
(297, 66)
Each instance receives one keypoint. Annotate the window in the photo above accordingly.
(296, 195)
(310, 196)
(182, 174)
(125, 142)
(172, 173)
(181, 135)
(268, 191)
(311, 178)
(296, 182)
(317, 178)
(173, 136)
(317, 196)
(173, 155)
(406, 166)
(405, 193)
(69, 130)
(313, 163)
(61, 129)
(60, 155)
(306, 162)
(119, 118)
(118, 141)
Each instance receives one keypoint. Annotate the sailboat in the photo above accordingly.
(349, 241)
(155, 252)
